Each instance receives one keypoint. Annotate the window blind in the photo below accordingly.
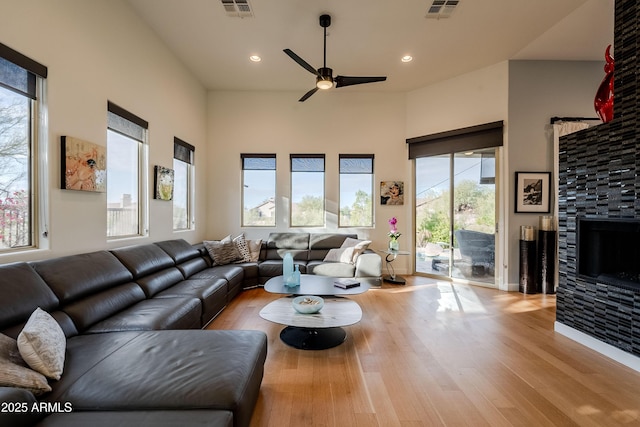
(183, 151)
(465, 139)
(18, 72)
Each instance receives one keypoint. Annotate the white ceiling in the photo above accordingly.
(368, 38)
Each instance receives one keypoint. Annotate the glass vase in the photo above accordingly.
(393, 245)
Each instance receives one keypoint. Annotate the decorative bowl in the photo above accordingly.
(307, 304)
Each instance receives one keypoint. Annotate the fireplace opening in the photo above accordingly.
(609, 251)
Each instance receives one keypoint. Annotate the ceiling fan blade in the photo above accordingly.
(301, 62)
(308, 94)
(350, 81)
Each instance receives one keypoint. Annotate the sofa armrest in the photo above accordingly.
(18, 408)
(369, 265)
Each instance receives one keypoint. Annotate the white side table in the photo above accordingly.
(391, 277)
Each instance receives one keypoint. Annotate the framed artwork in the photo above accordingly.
(533, 191)
(163, 183)
(391, 192)
(83, 165)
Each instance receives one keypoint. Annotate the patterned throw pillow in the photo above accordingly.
(223, 251)
(243, 248)
(15, 373)
(42, 344)
(210, 246)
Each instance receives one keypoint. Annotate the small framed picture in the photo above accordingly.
(533, 192)
(392, 192)
(83, 166)
(163, 183)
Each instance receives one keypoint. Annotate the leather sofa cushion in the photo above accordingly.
(335, 269)
(18, 418)
(159, 281)
(211, 292)
(288, 240)
(142, 260)
(272, 268)
(203, 369)
(75, 276)
(231, 272)
(204, 418)
(179, 249)
(250, 274)
(22, 292)
(154, 314)
(192, 266)
(328, 240)
(278, 244)
(97, 307)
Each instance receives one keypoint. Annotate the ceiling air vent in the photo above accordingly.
(237, 8)
(441, 8)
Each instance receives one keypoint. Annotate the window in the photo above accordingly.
(307, 190)
(182, 185)
(258, 190)
(356, 190)
(126, 173)
(22, 138)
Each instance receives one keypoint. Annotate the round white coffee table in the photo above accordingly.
(317, 331)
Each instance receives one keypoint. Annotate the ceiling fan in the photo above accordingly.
(324, 75)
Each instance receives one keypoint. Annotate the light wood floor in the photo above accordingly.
(439, 354)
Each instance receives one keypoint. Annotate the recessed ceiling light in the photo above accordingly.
(407, 58)
(255, 58)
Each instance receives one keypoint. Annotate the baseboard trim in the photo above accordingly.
(605, 349)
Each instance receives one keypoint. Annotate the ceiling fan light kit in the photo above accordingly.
(324, 75)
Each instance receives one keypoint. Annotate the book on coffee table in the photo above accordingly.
(346, 283)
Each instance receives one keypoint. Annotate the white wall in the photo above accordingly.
(334, 122)
(539, 90)
(97, 51)
(467, 100)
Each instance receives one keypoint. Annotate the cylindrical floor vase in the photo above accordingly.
(527, 260)
(547, 261)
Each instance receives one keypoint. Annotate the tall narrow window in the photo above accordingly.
(21, 90)
(183, 185)
(183, 167)
(356, 190)
(307, 190)
(258, 190)
(126, 173)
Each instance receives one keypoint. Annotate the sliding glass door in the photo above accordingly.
(455, 215)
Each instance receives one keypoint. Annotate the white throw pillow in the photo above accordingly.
(334, 255)
(254, 249)
(42, 344)
(359, 246)
(15, 373)
(345, 255)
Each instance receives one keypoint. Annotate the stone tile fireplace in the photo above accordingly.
(599, 209)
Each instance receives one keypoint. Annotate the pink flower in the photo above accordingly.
(393, 233)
